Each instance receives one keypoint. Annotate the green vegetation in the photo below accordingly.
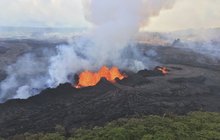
(194, 126)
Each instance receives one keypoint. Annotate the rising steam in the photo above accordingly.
(114, 23)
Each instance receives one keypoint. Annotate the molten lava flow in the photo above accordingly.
(164, 70)
(88, 78)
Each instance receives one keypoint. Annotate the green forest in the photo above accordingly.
(193, 126)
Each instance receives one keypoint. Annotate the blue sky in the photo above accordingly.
(69, 13)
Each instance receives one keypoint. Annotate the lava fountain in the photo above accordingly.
(89, 78)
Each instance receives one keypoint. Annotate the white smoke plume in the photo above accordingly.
(114, 24)
(25, 77)
(109, 42)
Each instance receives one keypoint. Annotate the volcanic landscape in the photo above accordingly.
(189, 85)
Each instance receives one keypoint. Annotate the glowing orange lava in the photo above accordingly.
(88, 78)
(164, 70)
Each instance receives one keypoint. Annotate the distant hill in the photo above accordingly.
(36, 32)
(167, 38)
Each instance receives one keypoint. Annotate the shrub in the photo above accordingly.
(52, 136)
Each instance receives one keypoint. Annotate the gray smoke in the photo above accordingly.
(203, 41)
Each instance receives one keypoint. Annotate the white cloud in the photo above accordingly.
(188, 14)
(41, 13)
(185, 14)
